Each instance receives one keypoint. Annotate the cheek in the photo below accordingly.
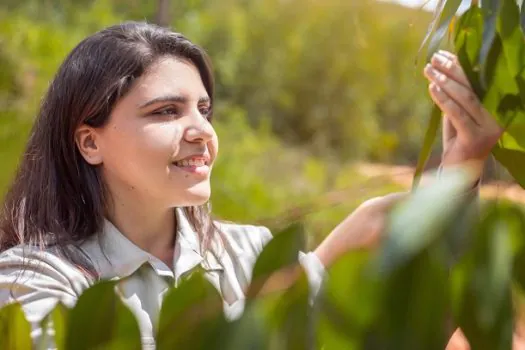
(213, 147)
(162, 139)
(135, 146)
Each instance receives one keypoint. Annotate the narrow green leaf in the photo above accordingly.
(290, 319)
(513, 161)
(512, 37)
(416, 223)
(428, 142)
(350, 301)
(15, 330)
(282, 251)
(59, 316)
(490, 9)
(111, 324)
(191, 316)
(486, 314)
(467, 43)
(446, 16)
(57, 321)
(415, 308)
(522, 17)
(247, 332)
(433, 24)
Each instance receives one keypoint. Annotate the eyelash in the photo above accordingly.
(173, 111)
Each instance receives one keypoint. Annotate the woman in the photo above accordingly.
(114, 182)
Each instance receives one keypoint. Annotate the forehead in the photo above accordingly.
(169, 76)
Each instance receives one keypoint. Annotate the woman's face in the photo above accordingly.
(158, 142)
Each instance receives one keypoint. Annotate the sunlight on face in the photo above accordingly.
(159, 142)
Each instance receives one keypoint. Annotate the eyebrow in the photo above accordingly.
(172, 98)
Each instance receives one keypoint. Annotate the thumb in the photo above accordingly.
(391, 199)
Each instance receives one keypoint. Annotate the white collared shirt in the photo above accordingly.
(39, 279)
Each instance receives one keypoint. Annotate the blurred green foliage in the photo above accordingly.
(405, 295)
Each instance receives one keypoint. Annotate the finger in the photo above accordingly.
(391, 199)
(449, 132)
(458, 117)
(449, 55)
(450, 67)
(462, 95)
(458, 341)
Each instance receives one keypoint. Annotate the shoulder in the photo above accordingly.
(248, 238)
(28, 270)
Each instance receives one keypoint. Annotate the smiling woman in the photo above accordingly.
(115, 181)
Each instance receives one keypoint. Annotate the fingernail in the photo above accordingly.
(445, 53)
(442, 60)
(430, 70)
(438, 92)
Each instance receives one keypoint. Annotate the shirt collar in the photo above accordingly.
(116, 257)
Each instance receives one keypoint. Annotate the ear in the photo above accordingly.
(86, 139)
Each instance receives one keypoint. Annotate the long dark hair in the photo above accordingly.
(57, 198)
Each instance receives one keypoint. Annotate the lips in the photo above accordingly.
(191, 162)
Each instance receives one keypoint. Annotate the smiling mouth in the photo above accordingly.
(197, 166)
(190, 163)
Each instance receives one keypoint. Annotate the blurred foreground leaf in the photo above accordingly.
(110, 323)
(191, 316)
(281, 252)
(14, 328)
(484, 309)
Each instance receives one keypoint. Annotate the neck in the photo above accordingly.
(151, 229)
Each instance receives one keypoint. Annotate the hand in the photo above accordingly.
(362, 229)
(459, 342)
(469, 130)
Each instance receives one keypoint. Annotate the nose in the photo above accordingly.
(199, 130)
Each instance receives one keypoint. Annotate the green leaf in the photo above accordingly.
(290, 318)
(514, 49)
(281, 252)
(468, 42)
(59, 316)
(443, 15)
(247, 332)
(490, 9)
(522, 17)
(512, 36)
(420, 220)
(191, 316)
(485, 311)
(15, 330)
(447, 14)
(513, 161)
(415, 308)
(349, 301)
(426, 149)
(111, 324)
(57, 320)
(414, 261)
(432, 25)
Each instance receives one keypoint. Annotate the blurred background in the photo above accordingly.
(320, 104)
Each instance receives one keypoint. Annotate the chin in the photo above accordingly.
(193, 197)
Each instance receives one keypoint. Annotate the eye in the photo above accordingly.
(205, 111)
(169, 111)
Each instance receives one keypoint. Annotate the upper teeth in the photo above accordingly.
(191, 162)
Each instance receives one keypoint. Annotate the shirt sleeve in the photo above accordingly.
(38, 280)
(315, 272)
